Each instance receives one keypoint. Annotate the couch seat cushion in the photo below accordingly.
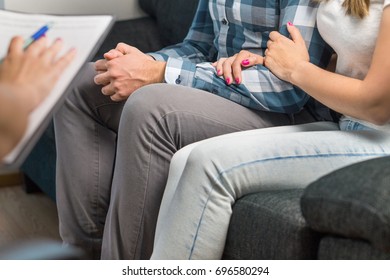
(269, 225)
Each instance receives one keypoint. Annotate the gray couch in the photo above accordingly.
(344, 215)
(338, 217)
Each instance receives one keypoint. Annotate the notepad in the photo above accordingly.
(85, 33)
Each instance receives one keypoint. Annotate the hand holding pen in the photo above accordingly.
(33, 66)
(40, 32)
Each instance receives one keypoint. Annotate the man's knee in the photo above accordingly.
(149, 97)
(150, 103)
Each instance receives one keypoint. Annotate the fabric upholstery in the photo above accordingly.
(348, 203)
(173, 17)
(166, 23)
(40, 165)
(141, 33)
(269, 225)
(338, 248)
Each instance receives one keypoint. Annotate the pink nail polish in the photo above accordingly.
(245, 62)
(290, 23)
(218, 72)
(237, 81)
(227, 81)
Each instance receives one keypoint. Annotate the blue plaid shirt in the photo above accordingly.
(221, 28)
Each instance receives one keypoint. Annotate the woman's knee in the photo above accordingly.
(181, 156)
(204, 156)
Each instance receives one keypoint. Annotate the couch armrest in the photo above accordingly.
(353, 202)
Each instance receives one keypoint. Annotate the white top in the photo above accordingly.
(352, 38)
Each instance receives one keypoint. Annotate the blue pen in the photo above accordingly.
(41, 32)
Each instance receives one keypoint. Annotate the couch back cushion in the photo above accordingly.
(173, 17)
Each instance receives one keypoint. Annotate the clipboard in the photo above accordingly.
(84, 32)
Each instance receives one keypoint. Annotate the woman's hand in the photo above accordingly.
(26, 78)
(230, 68)
(283, 55)
(32, 73)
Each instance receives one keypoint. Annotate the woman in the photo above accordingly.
(207, 177)
(26, 78)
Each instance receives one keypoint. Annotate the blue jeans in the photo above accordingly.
(348, 124)
(207, 177)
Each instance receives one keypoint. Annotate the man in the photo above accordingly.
(120, 128)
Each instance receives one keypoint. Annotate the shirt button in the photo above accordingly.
(178, 81)
(224, 21)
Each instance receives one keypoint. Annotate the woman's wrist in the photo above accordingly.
(23, 97)
(300, 73)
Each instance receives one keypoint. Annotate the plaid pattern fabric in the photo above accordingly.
(222, 28)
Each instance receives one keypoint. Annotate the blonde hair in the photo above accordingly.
(357, 8)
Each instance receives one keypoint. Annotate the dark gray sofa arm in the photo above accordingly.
(173, 17)
(352, 202)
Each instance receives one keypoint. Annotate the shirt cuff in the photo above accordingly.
(180, 72)
(156, 56)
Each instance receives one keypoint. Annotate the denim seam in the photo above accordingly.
(300, 157)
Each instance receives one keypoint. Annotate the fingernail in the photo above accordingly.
(290, 23)
(245, 62)
(227, 81)
(218, 72)
(237, 80)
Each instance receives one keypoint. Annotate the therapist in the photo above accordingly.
(26, 78)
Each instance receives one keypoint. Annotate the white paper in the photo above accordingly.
(80, 32)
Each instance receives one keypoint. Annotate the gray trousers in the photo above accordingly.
(113, 158)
